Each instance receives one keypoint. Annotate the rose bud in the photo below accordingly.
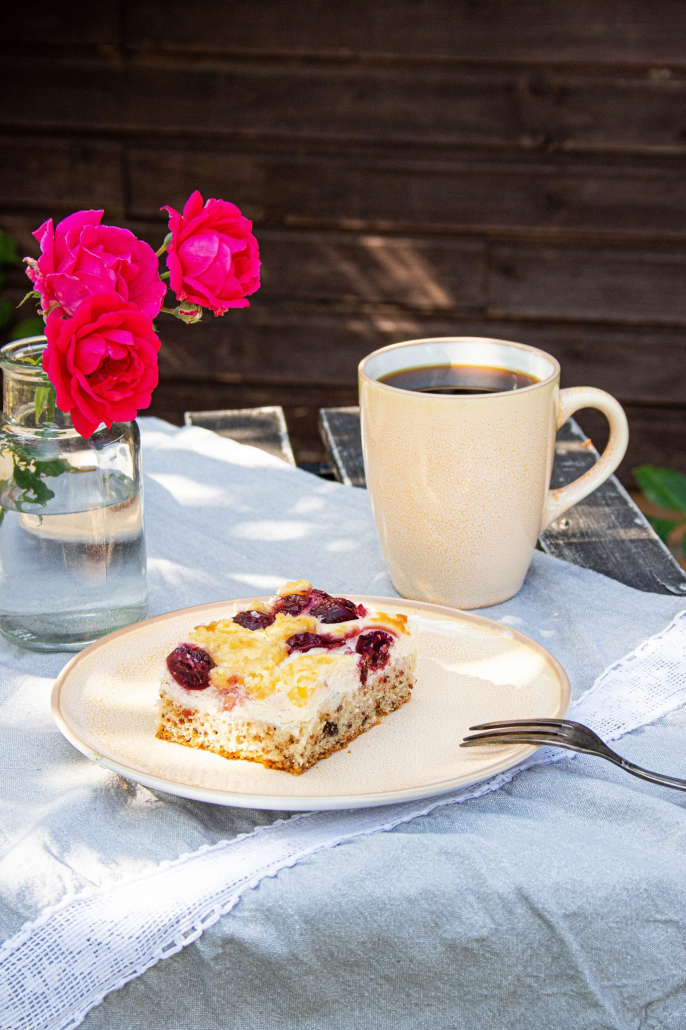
(188, 313)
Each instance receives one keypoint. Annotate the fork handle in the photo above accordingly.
(643, 774)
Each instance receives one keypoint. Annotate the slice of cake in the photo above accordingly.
(289, 681)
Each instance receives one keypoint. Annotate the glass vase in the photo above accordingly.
(72, 549)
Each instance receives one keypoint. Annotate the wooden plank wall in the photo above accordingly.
(413, 168)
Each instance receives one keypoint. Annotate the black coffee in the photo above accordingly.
(458, 379)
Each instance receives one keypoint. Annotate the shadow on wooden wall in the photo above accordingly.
(426, 167)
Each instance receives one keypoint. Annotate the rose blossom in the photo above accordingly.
(213, 257)
(102, 361)
(81, 257)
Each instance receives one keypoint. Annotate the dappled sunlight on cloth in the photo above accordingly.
(197, 441)
(219, 519)
(269, 584)
(164, 573)
(189, 491)
(266, 529)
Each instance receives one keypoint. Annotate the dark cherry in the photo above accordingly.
(292, 604)
(373, 648)
(190, 666)
(306, 641)
(254, 620)
(332, 609)
(321, 605)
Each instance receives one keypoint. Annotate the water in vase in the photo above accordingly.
(75, 569)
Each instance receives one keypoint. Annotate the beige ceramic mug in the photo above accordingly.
(459, 484)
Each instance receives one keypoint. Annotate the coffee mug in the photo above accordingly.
(460, 484)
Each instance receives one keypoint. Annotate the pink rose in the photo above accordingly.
(81, 258)
(102, 361)
(213, 257)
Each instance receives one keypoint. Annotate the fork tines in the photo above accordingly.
(520, 724)
(521, 731)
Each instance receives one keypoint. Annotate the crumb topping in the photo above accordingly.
(298, 586)
(300, 679)
(252, 656)
(277, 646)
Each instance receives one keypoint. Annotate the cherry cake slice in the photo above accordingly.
(289, 681)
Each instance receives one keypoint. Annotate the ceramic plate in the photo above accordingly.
(469, 670)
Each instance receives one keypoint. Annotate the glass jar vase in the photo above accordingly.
(72, 549)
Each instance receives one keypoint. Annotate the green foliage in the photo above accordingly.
(26, 484)
(27, 479)
(53, 467)
(6, 312)
(8, 250)
(667, 489)
(45, 402)
(33, 326)
(28, 327)
(8, 256)
(664, 487)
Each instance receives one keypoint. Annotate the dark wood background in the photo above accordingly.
(414, 168)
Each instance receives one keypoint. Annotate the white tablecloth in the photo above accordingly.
(556, 902)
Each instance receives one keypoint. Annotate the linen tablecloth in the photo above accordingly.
(558, 901)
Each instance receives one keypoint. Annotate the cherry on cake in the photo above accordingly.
(289, 681)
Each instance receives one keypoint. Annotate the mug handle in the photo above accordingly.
(572, 400)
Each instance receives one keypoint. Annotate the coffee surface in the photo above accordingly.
(458, 379)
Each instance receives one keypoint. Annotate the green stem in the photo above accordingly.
(160, 252)
(31, 293)
(165, 275)
(169, 311)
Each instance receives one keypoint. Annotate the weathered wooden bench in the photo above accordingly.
(606, 532)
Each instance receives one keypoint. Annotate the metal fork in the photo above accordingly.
(561, 733)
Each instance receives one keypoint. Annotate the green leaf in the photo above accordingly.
(28, 327)
(8, 250)
(24, 477)
(2, 515)
(664, 487)
(6, 312)
(41, 401)
(43, 493)
(30, 482)
(23, 454)
(663, 527)
(52, 467)
(24, 359)
(45, 402)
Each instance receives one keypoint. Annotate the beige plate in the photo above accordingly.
(469, 670)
